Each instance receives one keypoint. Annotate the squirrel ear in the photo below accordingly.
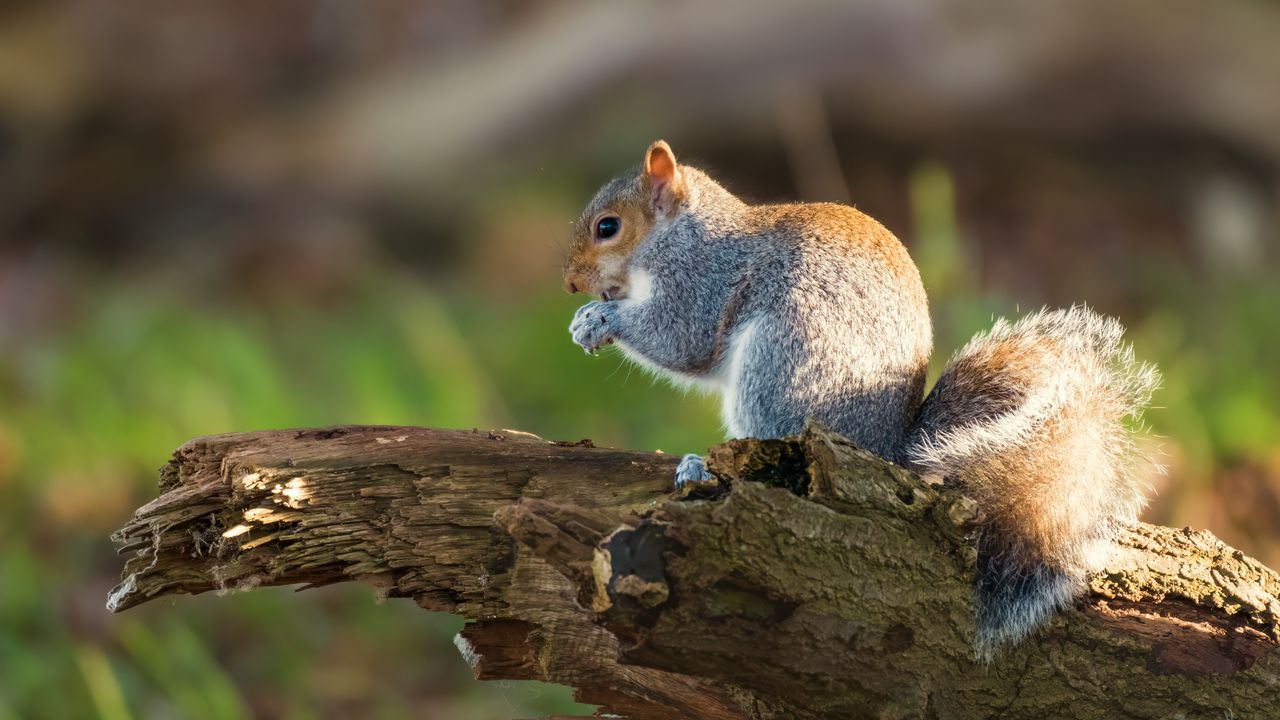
(662, 175)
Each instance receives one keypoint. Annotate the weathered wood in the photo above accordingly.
(813, 581)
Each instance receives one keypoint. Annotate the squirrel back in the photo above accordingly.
(815, 311)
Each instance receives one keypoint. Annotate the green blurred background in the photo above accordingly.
(233, 216)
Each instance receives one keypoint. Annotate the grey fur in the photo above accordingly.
(803, 312)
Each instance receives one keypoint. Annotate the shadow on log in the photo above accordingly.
(812, 580)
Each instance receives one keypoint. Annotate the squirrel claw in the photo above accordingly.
(692, 469)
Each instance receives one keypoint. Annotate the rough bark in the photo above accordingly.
(813, 580)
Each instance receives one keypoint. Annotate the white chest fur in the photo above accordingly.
(731, 377)
(639, 286)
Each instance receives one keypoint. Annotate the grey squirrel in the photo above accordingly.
(800, 311)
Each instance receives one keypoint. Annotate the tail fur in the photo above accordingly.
(1037, 421)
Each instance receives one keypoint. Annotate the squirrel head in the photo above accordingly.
(618, 218)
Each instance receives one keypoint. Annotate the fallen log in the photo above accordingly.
(811, 580)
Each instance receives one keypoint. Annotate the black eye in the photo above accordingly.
(607, 227)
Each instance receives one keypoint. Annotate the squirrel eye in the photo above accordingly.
(607, 227)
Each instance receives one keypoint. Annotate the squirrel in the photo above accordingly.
(802, 311)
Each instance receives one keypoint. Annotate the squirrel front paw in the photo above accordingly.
(692, 469)
(594, 325)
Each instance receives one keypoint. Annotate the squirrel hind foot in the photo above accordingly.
(692, 469)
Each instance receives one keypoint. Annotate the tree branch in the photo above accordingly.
(813, 581)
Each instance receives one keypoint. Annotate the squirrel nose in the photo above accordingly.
(570, 287)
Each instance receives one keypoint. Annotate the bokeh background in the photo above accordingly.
(229, 216)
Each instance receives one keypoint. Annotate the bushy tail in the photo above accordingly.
(1037, 421)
